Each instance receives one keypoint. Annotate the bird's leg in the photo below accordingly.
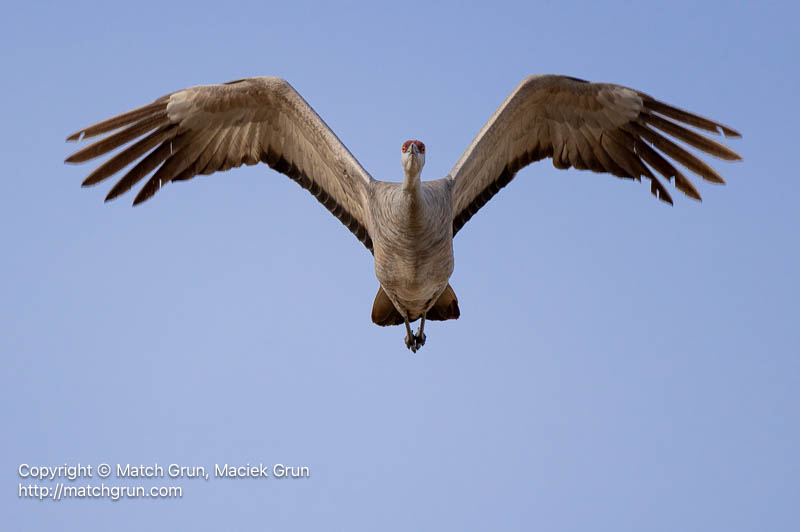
(419, 338)
(411, 340)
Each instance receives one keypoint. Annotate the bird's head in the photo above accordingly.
(413, 157)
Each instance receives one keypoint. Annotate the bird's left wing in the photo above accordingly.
(211, 128)
(590, 126)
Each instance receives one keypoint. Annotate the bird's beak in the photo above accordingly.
(414, 148)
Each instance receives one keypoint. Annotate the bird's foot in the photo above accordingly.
(411, 343)
(419, 339)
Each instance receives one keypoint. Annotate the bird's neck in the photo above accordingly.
(411, 183)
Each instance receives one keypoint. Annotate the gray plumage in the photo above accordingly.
(408, 226)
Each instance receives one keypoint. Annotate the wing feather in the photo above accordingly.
(141, 169)
(112, 142)
(136, 115)
(690, 137)
(212, 128)
(128, 155)
(601, 127)
(676, 152)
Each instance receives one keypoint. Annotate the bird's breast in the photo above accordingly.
(413, 243)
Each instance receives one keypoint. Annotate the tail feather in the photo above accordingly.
(446, 307)
(384, 313)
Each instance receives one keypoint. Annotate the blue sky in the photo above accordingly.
(619, 364)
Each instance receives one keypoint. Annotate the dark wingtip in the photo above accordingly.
(737, 158)
(692, 195)
(80, 156)
(697, 198)
(147, 192)
(730, 133)
(115, 192)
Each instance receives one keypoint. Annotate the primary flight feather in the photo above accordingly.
(408, 226)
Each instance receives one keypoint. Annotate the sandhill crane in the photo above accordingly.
(408, 226)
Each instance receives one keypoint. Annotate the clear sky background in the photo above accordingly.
(619, 364)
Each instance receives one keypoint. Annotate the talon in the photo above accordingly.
(411, 343)
(419, 339)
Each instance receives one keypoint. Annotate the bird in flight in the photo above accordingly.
(408, 226)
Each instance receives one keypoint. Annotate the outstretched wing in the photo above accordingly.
(589, 126)
(210, 128)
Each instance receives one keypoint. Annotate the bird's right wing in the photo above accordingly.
(211, 128)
